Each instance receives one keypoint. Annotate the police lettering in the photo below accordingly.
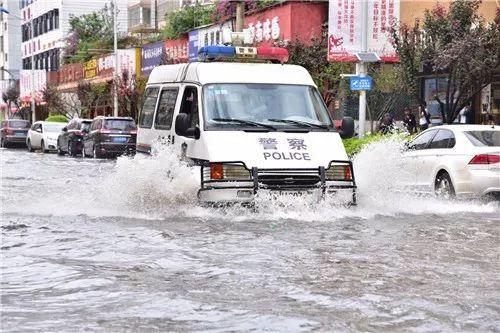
(287, 156)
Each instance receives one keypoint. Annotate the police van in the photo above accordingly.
(249, 127)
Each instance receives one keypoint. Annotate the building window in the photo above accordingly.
(5, 26)
(56, 20)
(6, 58)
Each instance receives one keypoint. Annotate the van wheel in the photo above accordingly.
(30, 149)
(443, 186)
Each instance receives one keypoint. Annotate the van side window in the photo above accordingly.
(166, 107)
(190, 105)
(148, 107)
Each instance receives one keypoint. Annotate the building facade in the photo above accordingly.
(10, 39)
(45, 25)
(145, 16)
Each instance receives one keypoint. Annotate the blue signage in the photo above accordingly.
(361, 83)
(193, 46)
(151, 56)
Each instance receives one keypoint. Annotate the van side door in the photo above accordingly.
(164, 116)
(145, 130)
(189, 104)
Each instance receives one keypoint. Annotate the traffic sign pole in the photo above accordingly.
(361, 67)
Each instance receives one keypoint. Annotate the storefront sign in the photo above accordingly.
(344, 32)
(193, 46)
(151, 56)
(176, 50)
(90, 69)
(212, 35)
(39, 83)
(265, 30)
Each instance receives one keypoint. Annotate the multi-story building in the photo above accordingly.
(149, 15)
(45, 25)
(146, 16)
(10, 39)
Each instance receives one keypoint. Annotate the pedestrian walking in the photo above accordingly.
(424, 118)
(409, 121)
(464, 115)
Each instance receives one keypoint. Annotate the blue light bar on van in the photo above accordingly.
(210, 53)
(214, 52)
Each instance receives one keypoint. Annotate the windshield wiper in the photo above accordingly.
(245, 122)
(297, 122)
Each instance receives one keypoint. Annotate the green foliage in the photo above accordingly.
(92, 34)
(354, 145)
(189, 17)
(313, 57)
(456, 45)
(58, 118)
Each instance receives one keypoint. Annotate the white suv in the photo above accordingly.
(43, 135)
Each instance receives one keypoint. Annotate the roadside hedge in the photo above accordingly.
(355, 145)
(58, 118)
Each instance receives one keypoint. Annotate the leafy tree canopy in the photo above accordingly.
(454, 44)
(92, 34)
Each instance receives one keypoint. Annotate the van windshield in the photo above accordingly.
(275, 106)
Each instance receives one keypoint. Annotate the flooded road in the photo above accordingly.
(114, 246)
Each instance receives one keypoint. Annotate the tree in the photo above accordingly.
(92, 34)
(455, 45)
(313, 57)
(58, 103)
(91, 95)
(130, 92)
(12, 98)
(181, 21)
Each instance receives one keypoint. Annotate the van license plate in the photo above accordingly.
(292, 193)
(120, 139)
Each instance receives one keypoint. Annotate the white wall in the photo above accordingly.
(11, 38)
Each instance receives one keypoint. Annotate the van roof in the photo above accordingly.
(230, 72)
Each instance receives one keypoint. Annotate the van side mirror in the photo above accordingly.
(64, 129)
(182, 123)
(347, 128)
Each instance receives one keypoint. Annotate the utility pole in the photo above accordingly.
(115, 49)
(361, 67)
(240, 15)
(33, 114)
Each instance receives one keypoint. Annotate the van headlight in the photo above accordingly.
(338, 172)
(229, 171)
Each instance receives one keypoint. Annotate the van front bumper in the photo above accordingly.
(295, 182)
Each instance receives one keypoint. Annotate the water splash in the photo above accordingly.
(162, 186)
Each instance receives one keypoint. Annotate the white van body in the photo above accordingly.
(278, 156)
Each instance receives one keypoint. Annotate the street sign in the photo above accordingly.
(361, 83)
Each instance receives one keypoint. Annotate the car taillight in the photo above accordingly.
(216, 171)
(79, 133)
(485, 159)
(133, 132)
(104, 131)
(9, 131)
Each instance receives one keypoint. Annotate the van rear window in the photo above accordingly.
(484, 138)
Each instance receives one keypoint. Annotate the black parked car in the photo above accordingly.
(70, 140)
(14, 131)
(110, 136)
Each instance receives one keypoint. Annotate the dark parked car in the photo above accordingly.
(14, 131)
(110, 136)
(70, 140)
